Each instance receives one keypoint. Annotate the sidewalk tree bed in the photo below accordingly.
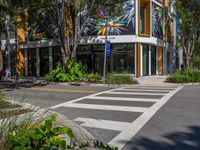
(185, 76)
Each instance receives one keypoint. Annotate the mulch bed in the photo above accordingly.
(15, 112)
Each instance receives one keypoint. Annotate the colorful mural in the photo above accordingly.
(129, 12)
(121, 20)
(157, 21)
(113, 26)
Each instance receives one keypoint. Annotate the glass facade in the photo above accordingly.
(153, 60)
(121, 59)
(44, 61)
(145, 58)
(32, 66)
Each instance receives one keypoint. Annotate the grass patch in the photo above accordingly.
(120, 79)
(185, 76)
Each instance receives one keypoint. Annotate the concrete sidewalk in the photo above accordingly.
(153, 80)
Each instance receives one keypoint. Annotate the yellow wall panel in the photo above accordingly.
(138, 60)
(160, 60)
(20, 65)
(21, 31)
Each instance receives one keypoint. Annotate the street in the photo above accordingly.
(135, 117)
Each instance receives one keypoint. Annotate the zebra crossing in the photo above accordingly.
(92, 112)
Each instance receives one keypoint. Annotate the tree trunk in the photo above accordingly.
(16, 50)
(8, 47)
(188, 61)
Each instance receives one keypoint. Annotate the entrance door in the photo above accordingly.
(145, 60)
(44, 61)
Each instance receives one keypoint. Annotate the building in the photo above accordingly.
(142, 36)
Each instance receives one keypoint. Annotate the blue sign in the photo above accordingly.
(108, 49)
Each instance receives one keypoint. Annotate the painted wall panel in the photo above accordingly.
(21, 62)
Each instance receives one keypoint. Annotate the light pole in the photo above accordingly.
(106, 37)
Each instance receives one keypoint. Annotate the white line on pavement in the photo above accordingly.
(106, 107)
(138, 93)
(146, 90)
(125, 136)
(151, 87)
(103, 124)
(123, 99)
(79, 99)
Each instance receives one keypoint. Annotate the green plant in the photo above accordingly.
(93, 77)
(196, 62)
(39, 136)
(120, 79)
(73, 72)
(185, 76)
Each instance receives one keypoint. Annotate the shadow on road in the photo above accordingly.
(177, 141)
(11, 85)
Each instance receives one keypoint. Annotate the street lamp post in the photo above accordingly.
(106, 37)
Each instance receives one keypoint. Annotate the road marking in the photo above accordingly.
(145, 90)
(138, 93)
(79, 99)
(123, 99)
(163, 85)
(122, 139)
(151, 87)
(106, 107)
(103, 124)
(63, 90)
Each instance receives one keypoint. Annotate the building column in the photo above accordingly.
(138, 57)
(38, 61)
(26, 61)
(150, 60)
(50, 59)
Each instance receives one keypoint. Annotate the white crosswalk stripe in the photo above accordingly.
(140, 95)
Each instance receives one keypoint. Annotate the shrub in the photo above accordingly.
(185, 76)
(93, 77)
(42, 136)
(120, 79)
(73, 72)
(196, 61)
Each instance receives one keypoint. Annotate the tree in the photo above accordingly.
(65, 21)
(9, 12)
(189, 26)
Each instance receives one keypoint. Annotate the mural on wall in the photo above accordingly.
(129, 12)
(157, 21)
(36, 32)
(115, 26)
(121, 20)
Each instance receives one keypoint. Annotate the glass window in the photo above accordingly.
(32, 63)
(57, 56)
(44, 61)
(145, 59)
(84, 54)
(123, 58)
(142, 19)
(153, 60)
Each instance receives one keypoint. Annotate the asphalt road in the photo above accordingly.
(133, 118)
